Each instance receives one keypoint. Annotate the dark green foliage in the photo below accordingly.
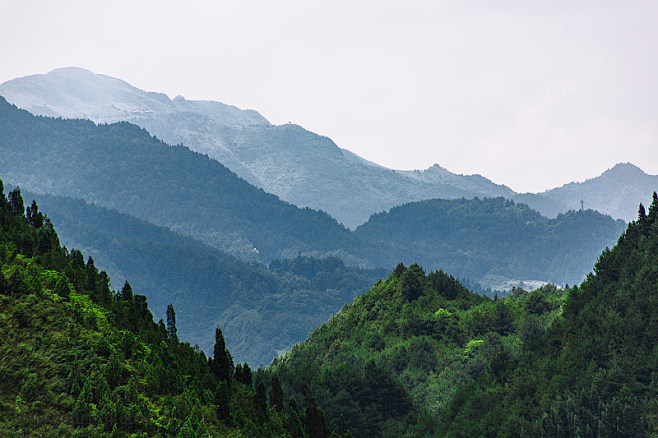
(276, 395)
(126, 292)
(16, 201)
(315, 422)
(246, 375)
(496, 237)
(412, 284)
(389, 363)
(221, 363)
(261, 309)
(593, 373)
(171, 322)
(78, 360)
(260, 400)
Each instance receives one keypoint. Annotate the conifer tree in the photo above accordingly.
(34, 216)
(276, 394)
(246, 375)
(126, 292)
(16, 201)
(171, 322)
(260, 399)
(237, 375)
(221, 366)
(314, 419)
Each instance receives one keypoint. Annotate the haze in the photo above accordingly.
(529, 94)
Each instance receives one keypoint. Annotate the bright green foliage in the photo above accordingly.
(261, 309)
(389, 363)
(595, 372)
(77, 359)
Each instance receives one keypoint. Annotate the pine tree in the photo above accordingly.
(16, 201)
(127, 292)
(221, 366)
(276, 394)
(34, 216)
(246, 375)
(171, 322)
(260, 400)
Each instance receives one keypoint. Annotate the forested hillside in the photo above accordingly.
(121, 166)
(481, 239)
(262, 311)
(419, 355)
(595, 372)
(79, 359)
(390, 362)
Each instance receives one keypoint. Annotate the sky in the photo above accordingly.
(531, 94)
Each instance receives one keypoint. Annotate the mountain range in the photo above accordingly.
(299, 166)
(120, 166)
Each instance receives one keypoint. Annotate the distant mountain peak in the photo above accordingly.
(625, 168)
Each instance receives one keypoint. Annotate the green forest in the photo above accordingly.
(405, 351)
(419, 355)
(262, 310)
(79, 359)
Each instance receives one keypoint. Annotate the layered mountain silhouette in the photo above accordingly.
(298, 166)
(616, 192)
(120, 166)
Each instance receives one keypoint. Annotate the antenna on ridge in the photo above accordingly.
(582, 205)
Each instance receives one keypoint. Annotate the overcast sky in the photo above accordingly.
(529, 93)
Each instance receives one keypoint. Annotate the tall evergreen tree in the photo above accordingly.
(260, 399)
(126, 292)
(276, 394)
(246, 375)
(34, 216)
(221, 365)
(16, 201)
(171, 322)
(314, 419)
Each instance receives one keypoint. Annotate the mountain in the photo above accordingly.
(489, 239)
(78, 359)
(300, 167)
(389, 363)
(616, 192)
(593, 374)
(120, 166)
(419, 355)
(251, 302)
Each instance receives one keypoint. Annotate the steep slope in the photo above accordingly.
(491, 238)
(594, 372)
(77, 359)
(121, 166)
(389, 363)
(298, 166)
(262, 311)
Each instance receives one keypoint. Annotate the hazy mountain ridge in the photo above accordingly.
(616, 192)
(300, 167)
(120, 166)
(208, 287)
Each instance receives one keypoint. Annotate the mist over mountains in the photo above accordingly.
(297, 165)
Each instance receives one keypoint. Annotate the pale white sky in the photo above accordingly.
(529, 93)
